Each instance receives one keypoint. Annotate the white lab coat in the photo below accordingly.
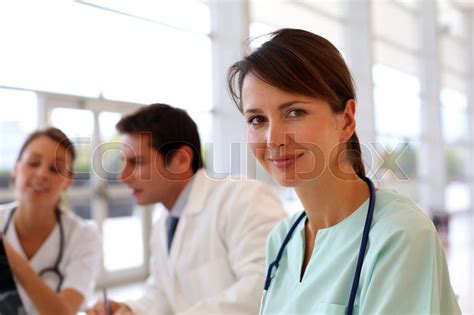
(80, 263)
(216, 263)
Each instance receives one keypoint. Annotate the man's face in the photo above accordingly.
(144, 170)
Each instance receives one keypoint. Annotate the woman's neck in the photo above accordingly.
(34, 220)
(331, 198)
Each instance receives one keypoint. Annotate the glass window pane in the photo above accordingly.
(451, 19)
(258, 34)
(411, 5)
(80, 205)
(396, 165)
(75, 59)
(395, 24)
(122, 238)
(18, 118)
(78, 124)
(163, 71)
(397, 99)
(457, 191)
(313, 16)
(457, 196)
(454, 116)
(395, 57)
(50, 58)
(196, 17)
(121, 215)
(454, 55)
(111, 146)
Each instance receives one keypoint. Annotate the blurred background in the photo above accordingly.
(81, 65)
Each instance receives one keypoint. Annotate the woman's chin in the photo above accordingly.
(286, 182)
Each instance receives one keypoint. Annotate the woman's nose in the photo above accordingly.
(42, 172)
(276, 135)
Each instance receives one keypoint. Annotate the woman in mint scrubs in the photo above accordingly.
(297, 96)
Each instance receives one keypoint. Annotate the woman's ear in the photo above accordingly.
(349, 121)
(70, 180)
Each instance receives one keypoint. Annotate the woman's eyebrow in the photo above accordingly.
(290, 103)
(280, 107)
(35, 155)
(252, 111)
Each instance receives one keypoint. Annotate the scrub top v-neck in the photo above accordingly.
(81, 258)
(404, 256)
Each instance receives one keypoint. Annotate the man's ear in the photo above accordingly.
(349, 121)
(182, 160)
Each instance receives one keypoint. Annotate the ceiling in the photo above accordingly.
(465, 4)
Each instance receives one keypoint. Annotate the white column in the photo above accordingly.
(42, 119)
(431, 162)
(360, 60)
(470, 102)
(229, 28)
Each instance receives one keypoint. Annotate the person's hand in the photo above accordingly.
(14, 259)
(116, 308)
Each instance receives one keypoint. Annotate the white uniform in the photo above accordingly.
(81, 259)
(216, 262)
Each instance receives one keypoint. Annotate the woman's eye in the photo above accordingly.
(295, 113)
(256, 120)
(54, 169)
(33, 163)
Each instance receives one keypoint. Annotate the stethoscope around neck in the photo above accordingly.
(273, 267)
(54, 270)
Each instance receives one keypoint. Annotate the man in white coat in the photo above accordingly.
(208, 249)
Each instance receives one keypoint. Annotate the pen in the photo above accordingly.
(106, 302)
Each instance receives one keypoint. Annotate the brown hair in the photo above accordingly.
(54, 134)
(301, 62)
(170, 129)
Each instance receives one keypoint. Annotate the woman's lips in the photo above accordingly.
(38, 188)
(286, 161)
(137, 192)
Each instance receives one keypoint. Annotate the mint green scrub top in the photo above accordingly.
(404, 271)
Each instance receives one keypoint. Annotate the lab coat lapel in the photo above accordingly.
(195, 204)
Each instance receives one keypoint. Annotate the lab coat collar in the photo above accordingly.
(182, 200)
(197, 198)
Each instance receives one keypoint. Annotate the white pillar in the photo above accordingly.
(431, 162)
(360, 60)
(42, 119)
(229, 28)
(470, 102)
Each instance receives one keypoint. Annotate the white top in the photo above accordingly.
(216, 264)
(80, 262)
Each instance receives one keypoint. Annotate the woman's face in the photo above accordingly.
(43, 172)
(294, 137)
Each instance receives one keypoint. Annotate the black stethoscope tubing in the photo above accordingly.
(273, 267)
(55, 268)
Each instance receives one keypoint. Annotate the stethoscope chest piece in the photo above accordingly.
(53, 271)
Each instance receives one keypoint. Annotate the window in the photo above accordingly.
(18, 118)
(455, 132)
(131, 52)
(397, 116)
(113, 55)
(324, 18)
(77, 124)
